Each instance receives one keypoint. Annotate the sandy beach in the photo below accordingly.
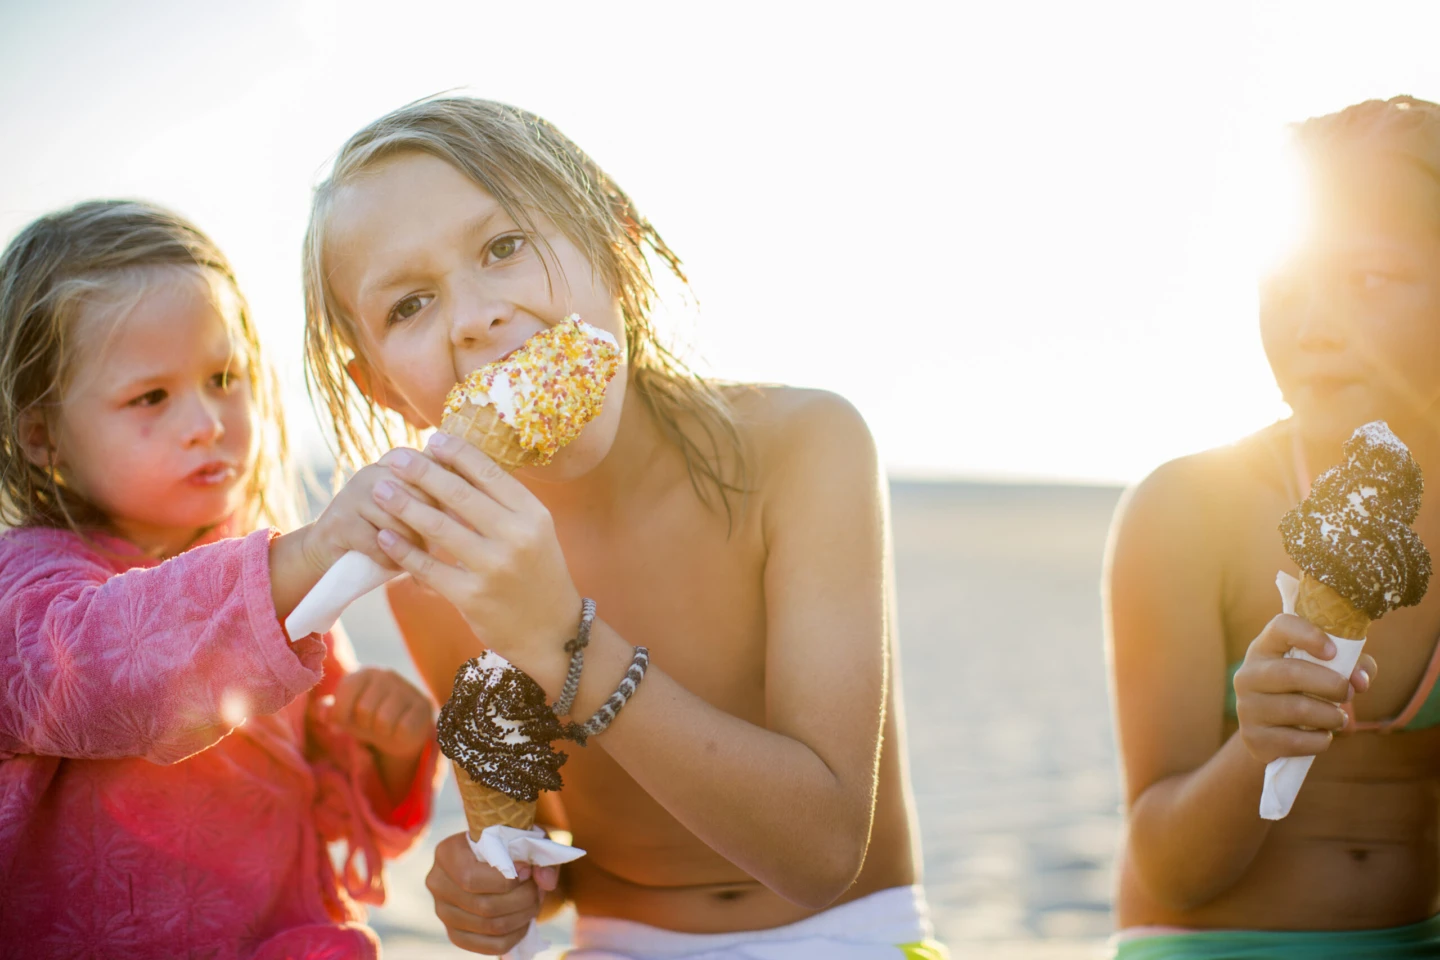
(1011, 743)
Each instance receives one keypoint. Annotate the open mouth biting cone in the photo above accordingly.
(521, 410)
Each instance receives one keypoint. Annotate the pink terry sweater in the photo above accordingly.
(162, 793)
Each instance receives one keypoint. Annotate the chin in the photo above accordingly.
(576, 460)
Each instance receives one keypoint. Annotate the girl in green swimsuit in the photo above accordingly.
(1351, 326)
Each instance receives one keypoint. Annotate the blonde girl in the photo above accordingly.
(172, 765)
(751, 793)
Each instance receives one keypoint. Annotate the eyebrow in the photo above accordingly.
(406, 269)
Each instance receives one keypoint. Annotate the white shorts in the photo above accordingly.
(871, 928)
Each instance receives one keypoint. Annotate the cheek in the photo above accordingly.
(1407, 346)
(1278, 336)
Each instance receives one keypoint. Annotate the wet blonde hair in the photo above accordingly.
(529, 168)
(98, 252)
(1403, 127)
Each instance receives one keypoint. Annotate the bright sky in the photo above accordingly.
(1020, 237)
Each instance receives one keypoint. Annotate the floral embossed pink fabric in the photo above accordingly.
(139, 816)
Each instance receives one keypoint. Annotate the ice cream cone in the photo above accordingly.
(1322, 606)
(488, 808)
(482, 428)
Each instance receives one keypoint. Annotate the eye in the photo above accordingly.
(503, 248)
(149, 399)
(223, 380)
(406, 309)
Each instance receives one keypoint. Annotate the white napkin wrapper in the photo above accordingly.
(502, 847)
(352, 576)
(1284, 776)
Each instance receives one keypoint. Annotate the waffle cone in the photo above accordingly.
(482, 428)
(488, 808)
(1329, 611)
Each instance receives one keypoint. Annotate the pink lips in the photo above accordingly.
(213, 474)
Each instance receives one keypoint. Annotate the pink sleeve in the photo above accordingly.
(352, 803)
(157, 662)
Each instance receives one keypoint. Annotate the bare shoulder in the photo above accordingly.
(795, 432)
(1197, 492)
(1174, 531)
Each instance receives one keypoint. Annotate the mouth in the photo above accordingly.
(214, 474)
(1328, 385)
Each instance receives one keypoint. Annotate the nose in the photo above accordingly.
(1321, 321)
(477, 319)
(204, 424)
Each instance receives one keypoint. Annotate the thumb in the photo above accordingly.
(547, 878)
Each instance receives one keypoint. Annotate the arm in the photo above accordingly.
(158, 662)
(1193, 793)
(806, 781)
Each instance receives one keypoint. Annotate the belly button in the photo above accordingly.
(1359, 856)
(729, 895)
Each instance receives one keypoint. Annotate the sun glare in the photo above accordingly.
(1278, 210)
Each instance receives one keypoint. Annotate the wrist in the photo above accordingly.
(317, 557)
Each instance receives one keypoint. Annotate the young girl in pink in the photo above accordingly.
(172, 765)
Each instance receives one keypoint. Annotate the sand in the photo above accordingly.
(1010, 733)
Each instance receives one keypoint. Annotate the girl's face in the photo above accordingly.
(441, 281)
(156, 424)
(1351, 324)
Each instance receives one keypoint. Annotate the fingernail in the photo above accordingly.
(440, 441)
(547, 877)
(1329, 649)
(522, 871)
(401, 459)
(388, 538)
(1364, 680)
(384, 490)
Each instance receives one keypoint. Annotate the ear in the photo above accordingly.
(379, 392)
(37, 440)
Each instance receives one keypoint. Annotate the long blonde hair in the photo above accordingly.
(49, 271)
(530, 168)
(1403, 126)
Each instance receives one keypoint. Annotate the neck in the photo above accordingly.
(159, 544)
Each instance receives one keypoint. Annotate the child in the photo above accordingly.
(753, 792)
(1351, 326)
(164, 790)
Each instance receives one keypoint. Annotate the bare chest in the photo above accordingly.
(678, 582)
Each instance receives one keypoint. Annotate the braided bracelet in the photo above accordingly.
(580, 732)
(576, 649)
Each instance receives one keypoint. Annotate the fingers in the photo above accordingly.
(1290, 710)
(1272, 743)
(347, 692)
(489, 923)
(450, 491)
(482, 472)
(448, 581)
(438, 529)
(458, 878)
(1286, 631)
(378, 707)
(1290, 675)
(1364, 673)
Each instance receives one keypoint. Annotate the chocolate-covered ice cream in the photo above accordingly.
(498, 727)
(1353, 532)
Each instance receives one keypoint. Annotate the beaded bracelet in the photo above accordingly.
(576, 649)
(580, 732)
